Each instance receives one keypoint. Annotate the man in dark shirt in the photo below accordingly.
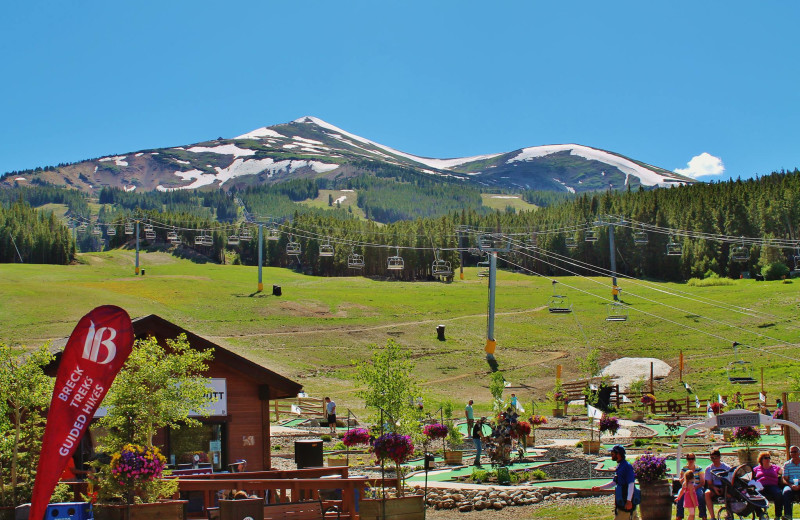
(477, 439)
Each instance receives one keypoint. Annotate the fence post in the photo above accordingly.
(277, 416)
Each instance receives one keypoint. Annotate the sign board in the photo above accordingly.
(735, 419)
(217, 390)
(791, 412)
(214, 445)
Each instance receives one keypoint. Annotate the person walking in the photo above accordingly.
(626, 497)
(477, 440)
(469, 414)
(330, 411)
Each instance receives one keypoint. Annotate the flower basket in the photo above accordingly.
(393, 446)
(435, 431)
(650, 468)
(746, 436)
(356, 437)
(609, 424)
(647, 401)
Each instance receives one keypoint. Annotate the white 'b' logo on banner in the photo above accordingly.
(94, 339)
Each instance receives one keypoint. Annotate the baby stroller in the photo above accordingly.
(741, 497)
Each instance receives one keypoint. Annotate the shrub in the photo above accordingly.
(339, 446)
(538, 474)
(479, 475)
(774, 271)
(325, 438)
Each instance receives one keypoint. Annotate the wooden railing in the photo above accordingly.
(283, 489)
(309, 407)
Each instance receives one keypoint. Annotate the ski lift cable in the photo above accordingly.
(720, 322)
(643, 283)
(656, 316)
(681, 294)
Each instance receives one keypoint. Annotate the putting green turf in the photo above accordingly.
(445, 475)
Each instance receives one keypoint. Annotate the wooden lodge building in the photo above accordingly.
(239, 427)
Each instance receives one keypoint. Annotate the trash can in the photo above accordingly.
(308, 453)
(429, 462)
(142, 272)
(276, 290)
(440, 332)
(59, 511)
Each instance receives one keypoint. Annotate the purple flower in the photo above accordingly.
(435, 431)
(650, 468)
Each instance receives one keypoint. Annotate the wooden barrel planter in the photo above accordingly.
(401, 508)
(337, 461)
(558, 412)
(749, 457)
(591, 447)
(656, 501)
(454, 457)
(637, 416)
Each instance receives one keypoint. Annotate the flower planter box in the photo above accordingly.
(454, 457)
(637, 416)
(591, 447)
(727, 435)
(400, 508)
(558, 412)
(166, 510)
(749, 457)
(337, 461)
(656, 501)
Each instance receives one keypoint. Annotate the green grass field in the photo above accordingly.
(350, 199)
(320, 326)
(500, 202)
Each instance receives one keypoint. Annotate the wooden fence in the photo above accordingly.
(308, 407)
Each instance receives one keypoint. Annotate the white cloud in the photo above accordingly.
(702, 165)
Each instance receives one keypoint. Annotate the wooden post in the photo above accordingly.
(558, 372)
(680, 365)
(277, 414)
(762, 383)
(652, 390)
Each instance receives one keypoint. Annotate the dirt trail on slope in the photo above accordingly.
(366, 329)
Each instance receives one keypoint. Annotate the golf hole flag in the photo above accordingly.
(95, 352)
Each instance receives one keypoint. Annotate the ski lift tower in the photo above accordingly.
(492, 244)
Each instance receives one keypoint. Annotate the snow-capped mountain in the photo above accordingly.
(310, 147)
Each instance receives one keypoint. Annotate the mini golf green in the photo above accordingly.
(443, 474)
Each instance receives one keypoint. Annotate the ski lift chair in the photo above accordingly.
(559, 304)
(199, 240)
(570, 242)
(485, 242)
(176, 241)
(326, 249)
(740, 253)
(617, 312)
(96, 231)
(172, 235)
(273, 234)
(150, 235)
(292, 247)
(148, 227)
(590, 236)
(740, 373)
(355, 261)
(82, 227)
(245, 234)
(233, 240)
(128, 228)
(483, 268)
(640, 238)
(395, 263)
(674, 248)
(441, 268)
(208, 240)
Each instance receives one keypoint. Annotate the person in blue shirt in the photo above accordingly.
(713, 482)
(625, 482)
(791, 477)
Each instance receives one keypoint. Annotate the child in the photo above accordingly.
(690, 498)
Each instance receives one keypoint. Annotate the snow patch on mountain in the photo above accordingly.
(118, 160)
(241, 167)
(647, 177)
(441, 164)
(309, 141)
(568, 188)
(225, 149)
(261, 132)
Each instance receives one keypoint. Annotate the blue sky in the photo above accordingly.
(659, 82)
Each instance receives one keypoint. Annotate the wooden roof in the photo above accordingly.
(152, 325)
